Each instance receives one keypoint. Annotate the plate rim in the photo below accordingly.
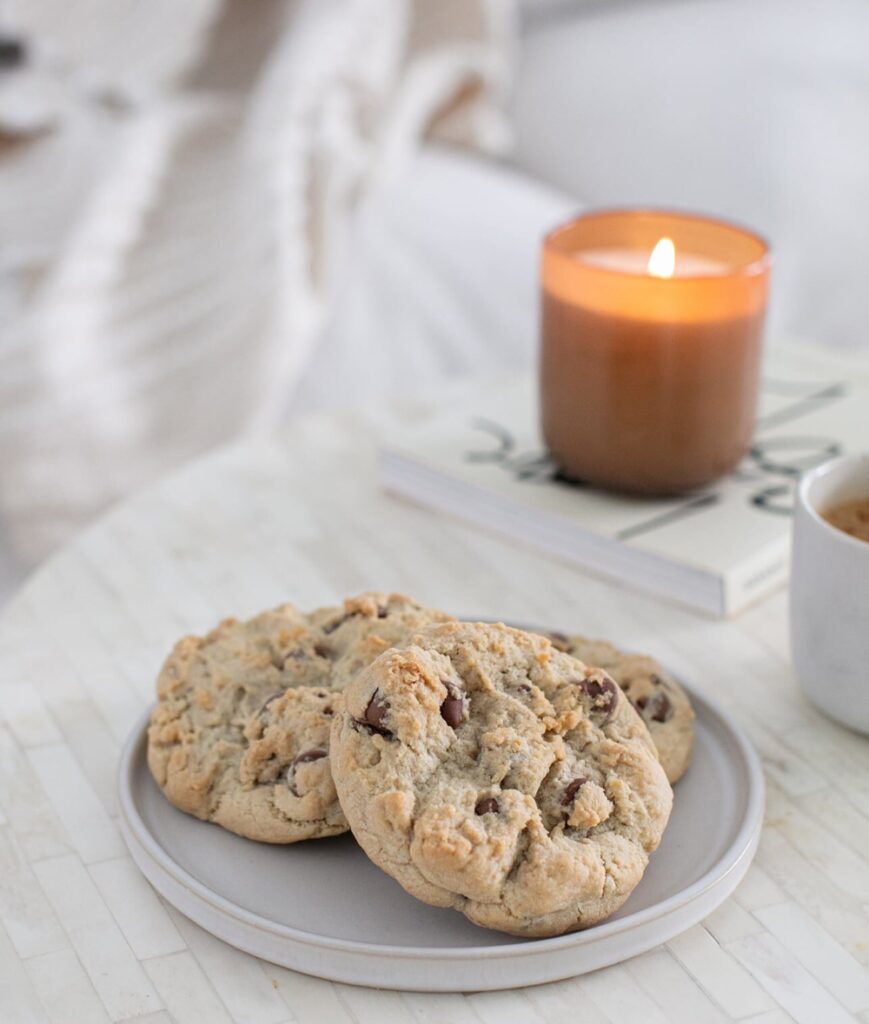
(743, 845)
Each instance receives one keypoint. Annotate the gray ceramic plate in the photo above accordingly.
(323, 908)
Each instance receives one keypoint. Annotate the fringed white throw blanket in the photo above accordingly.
(174, 186)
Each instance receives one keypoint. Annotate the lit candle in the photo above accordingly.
(663, 261)
(650, 347)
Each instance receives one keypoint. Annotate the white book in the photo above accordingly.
(715, 550)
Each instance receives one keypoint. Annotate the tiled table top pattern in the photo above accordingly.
(83, 938)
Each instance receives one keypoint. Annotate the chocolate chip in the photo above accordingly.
(572, 788)
(382, 611)
(335, 624)
(657, 708)
(662, 709)
(321, 650)
(488, 805)
(304, 758)
(655, 679)
(375, 715)
(604, 694)
(453, 707)
(523, 688)
(560, 641)
(310, 755)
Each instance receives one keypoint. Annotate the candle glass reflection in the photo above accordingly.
(649, 372)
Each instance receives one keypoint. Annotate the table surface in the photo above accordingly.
(84, 938)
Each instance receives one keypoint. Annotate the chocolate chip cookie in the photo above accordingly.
(489, 772)
(662, 703)
(240, 733)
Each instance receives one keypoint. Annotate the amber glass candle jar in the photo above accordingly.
(650, 347)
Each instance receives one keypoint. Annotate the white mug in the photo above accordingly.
(830, 595)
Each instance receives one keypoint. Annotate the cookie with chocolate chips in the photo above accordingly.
(240, 733)
(489, 772)
(662, 703)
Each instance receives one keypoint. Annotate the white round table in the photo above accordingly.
(299, 517)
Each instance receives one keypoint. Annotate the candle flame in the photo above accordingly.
(662, 262)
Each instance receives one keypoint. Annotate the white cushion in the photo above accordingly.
(439, 281)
